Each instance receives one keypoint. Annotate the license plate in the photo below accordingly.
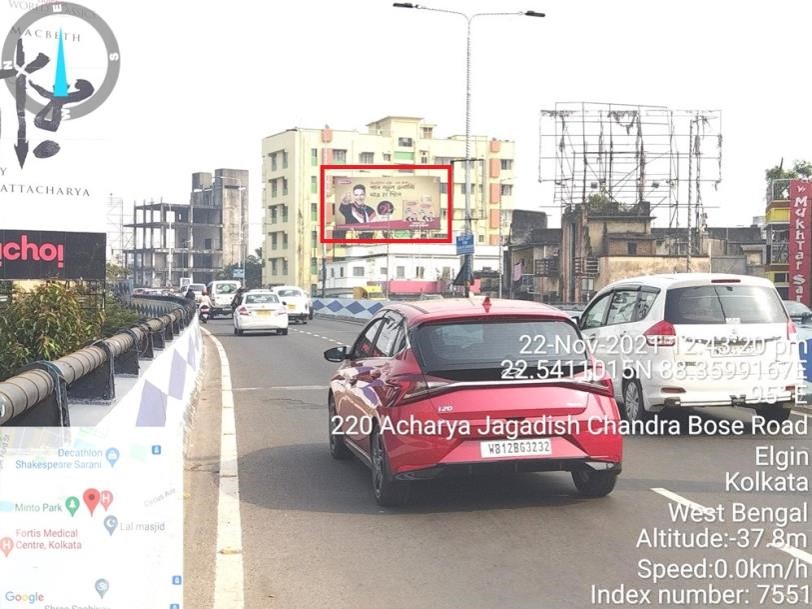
(291, 307)
(516, 448)
(264, 313)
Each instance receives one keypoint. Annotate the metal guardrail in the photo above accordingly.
(38, 395)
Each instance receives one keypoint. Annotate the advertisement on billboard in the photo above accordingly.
(52, 255)
(800, 242)
(387, 203)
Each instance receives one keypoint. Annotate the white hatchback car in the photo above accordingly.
(260, 310)
(695, 340)
(297, 302)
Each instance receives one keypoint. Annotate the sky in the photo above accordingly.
(201, 83)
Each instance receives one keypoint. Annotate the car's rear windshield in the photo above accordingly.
(226, 288)
(261, 299)
(724, 304)
(289, 293)
(475, 351)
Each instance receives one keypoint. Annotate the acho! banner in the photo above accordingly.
(387, 203)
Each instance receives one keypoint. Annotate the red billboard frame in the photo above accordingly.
(800, 242)
(323, 169)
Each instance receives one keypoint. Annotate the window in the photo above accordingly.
(314, 156)
(273, 161)
(357, 271)
(314, 212)
(273, 240)
(780, 278)
(273, 214)
(284, 266)
(314, 184)
(365, 345)
(462, 188)
(387, 156)
(427, 133)
(724, 304)
(273, 188)
(644, 302)
(388, 337)
(314, 266)
(419, 272)
(332, 273)
(284, 241)
(424, 156)
(481, 239)
(631, 248)
(507, 164)
(341, 272)
(621, 311)
(506, 190)
(403, 155)
(273, 266)
(443, 188)
(284, 159)
(339, 156)
(405, 142)
(284, 213)
(314, 238)
(284, 187)
(400, 272)
(366, 157)
(593, 317)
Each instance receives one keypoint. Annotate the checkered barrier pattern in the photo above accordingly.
(162, 395)
(347, 308)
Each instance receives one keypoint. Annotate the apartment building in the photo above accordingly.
(290, 175)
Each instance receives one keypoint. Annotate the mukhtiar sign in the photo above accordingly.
(800, 241)
(52, 255)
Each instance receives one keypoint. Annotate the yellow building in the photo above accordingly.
(290, 178)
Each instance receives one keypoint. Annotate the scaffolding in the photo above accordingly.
(617, 156)
(118, 239)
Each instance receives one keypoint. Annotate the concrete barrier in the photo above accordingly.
(347, 309)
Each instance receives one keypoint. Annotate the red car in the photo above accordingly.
(466, 386)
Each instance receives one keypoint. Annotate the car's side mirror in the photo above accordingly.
(336, 354)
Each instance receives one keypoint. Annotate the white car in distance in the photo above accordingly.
(695, 340)
(297, 302)
(260, 310)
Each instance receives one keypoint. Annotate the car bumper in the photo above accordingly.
(261, 323)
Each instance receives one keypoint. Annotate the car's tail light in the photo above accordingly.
(661, 334)
(243, 311)
(414, 387)
(792, 332)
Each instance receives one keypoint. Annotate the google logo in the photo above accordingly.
(29, 599)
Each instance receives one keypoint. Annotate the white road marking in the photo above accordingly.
(788, 549)
(282, 387)
(229, 582)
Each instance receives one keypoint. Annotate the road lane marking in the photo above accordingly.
(788, 549)
(283, 388)
(229, 582)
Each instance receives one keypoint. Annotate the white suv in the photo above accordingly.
(695, 340)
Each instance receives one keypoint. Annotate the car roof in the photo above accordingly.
(674, 280)
(428, 310)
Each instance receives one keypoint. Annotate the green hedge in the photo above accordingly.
(49, 322)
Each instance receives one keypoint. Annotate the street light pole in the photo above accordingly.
(468, 230)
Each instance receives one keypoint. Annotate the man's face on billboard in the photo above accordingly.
(358, 197)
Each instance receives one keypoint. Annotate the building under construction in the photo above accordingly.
(615, 169)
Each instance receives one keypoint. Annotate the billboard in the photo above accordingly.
(800, 241)
(28, 254)
(388, 208)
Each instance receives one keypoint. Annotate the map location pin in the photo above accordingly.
(110, 523)
(112, 455)
(106, 499)
(72, 503)
(91, 498)
(102, 586)
(6, 545)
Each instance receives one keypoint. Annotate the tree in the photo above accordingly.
(778, 178)
(253, 270)
(116, 272)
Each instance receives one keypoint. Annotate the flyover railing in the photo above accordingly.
(38, 395)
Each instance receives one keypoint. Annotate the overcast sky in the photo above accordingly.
(202, 82)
